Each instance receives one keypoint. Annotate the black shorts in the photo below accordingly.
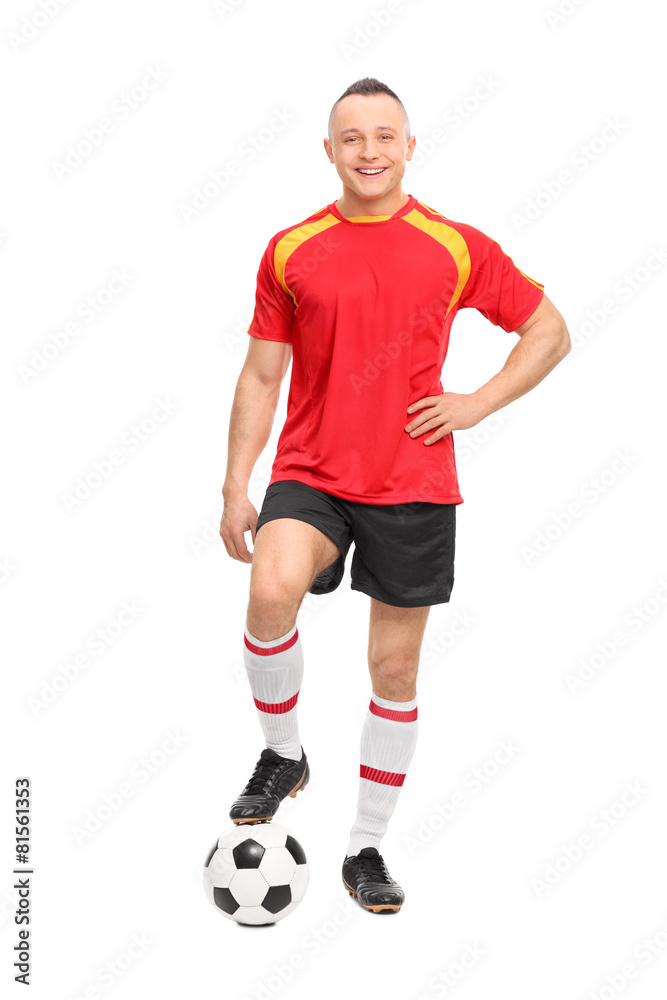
(403, 552)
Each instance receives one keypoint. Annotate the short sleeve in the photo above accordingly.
(496, 287)
(274, 308)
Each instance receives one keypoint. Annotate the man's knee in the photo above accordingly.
(394, 672)
(275, 598)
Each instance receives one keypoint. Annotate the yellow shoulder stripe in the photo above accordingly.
(451, 240)
(288, 244)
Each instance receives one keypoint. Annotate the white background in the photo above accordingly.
(535, 593)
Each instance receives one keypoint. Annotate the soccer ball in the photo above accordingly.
(256, 873)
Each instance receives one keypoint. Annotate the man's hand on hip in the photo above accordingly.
(452, 411)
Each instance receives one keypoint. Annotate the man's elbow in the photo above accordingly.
(555, 336)
(551, 338)
(562, 341)
(261, 385)
(548, 326)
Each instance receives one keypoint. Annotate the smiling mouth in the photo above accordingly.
(372, 171)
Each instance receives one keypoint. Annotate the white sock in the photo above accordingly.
(388, 741)
(275, 672)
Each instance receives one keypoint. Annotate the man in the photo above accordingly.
(361, 296)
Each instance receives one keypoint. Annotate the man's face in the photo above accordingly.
(369, 134)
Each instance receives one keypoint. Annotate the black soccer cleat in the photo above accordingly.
(274, 777)
(365, 877)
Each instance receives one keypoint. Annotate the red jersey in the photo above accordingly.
(367, 304)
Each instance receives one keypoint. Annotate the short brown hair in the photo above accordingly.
(369, 86)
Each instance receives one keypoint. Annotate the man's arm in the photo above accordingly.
(255, 401)
(544, 341)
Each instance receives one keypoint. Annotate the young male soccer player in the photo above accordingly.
(361, 296)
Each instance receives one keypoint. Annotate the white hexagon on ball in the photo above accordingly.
(249, 887)
(277, 866)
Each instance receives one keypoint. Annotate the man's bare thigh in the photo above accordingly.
(292, 549)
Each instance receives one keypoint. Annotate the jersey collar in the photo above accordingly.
(374, 219)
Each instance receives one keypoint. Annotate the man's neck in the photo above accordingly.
(351, 206)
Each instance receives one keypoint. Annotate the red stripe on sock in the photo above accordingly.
(277, 708)
(390, 713)
(384, 777)
(271, 649)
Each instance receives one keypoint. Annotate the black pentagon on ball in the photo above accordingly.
(210, 854)
(225, 900)
(277, 898)
(296, 850)
(248, 854)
